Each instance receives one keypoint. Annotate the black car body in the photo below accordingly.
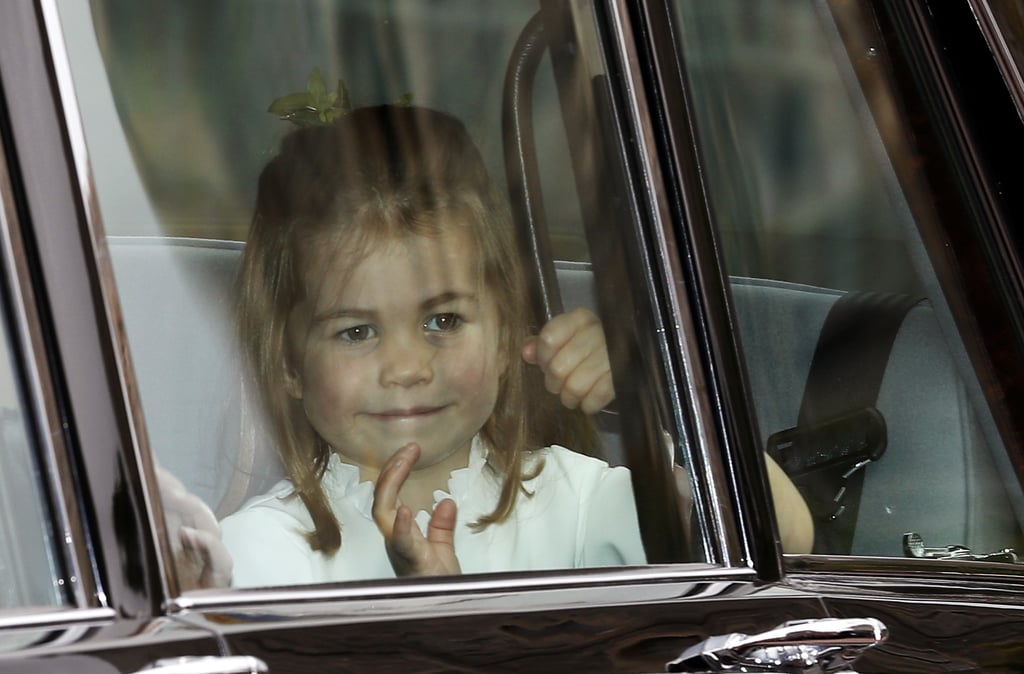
(720, 173)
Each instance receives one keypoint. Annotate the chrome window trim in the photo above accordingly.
(993, 33)
(62, 619)
(692, 395)
(39, 405)
(470, 594)
(97, 239)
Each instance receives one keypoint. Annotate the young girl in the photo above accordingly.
(384, 320)
(383, 315)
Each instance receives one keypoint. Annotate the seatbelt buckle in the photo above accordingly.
(845, 444)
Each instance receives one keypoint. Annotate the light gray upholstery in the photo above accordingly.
(936, 477)
(177, 303)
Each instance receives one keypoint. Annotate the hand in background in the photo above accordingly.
(200, 558)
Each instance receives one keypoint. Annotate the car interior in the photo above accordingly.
(937, 476)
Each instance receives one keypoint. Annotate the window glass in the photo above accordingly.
(380, 295)
(859, 377)
(31, 574)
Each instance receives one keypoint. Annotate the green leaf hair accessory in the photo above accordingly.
(313, 107)
(316, 106)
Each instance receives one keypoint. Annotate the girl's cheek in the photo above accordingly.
(333, 376)
(475, 368)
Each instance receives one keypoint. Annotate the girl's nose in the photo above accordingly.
(406, 362)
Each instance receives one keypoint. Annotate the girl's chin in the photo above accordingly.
(431, 452)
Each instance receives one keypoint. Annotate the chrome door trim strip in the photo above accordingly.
(466, 594)
(990, 28)
(41, 410)
(115, 322)
(693, 398)
(62, 619)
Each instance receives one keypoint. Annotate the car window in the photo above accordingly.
(854, 341)
(31, 573)
(178, 149)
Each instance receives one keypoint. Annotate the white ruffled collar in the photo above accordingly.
(474, 489)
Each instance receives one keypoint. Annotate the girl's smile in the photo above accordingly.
(401, 348)
(409, 414)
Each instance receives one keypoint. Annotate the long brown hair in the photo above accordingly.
(382, 171)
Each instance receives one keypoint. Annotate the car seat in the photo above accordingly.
(936, 478)
(177, 304)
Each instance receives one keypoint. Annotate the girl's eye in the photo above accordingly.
(358, 333)
(442, 322)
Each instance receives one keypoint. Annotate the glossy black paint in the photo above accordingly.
(629, 628)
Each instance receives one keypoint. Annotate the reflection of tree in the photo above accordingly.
(192, 80)
(190, 99)
(797, 185)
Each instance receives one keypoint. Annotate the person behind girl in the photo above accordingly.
(383, 315)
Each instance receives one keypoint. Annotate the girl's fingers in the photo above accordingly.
(441, 529)
(600, 395)
(587, 386)
(586, 348)
(405, 543)
(413, 555)
(529, 350)
(572, 353)
(385, 494)
(410, 553)
(578, 328)
(201, 559)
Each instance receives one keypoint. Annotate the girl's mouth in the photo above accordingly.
(408, 413)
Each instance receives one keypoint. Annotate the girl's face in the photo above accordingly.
(403, 347)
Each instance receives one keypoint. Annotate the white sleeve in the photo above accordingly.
(612, 533)
(268, 548)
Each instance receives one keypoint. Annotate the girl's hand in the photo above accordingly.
(571, 352)
(410, 553)
(200, 557)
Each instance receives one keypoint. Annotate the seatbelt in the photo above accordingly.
(839, 430)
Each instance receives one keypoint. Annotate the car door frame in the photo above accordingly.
(72, 374)
(966, 113)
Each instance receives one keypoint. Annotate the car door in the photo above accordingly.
(661, 171)
(849, 166)
(138, 157)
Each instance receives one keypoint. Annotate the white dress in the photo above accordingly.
(581, 514)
